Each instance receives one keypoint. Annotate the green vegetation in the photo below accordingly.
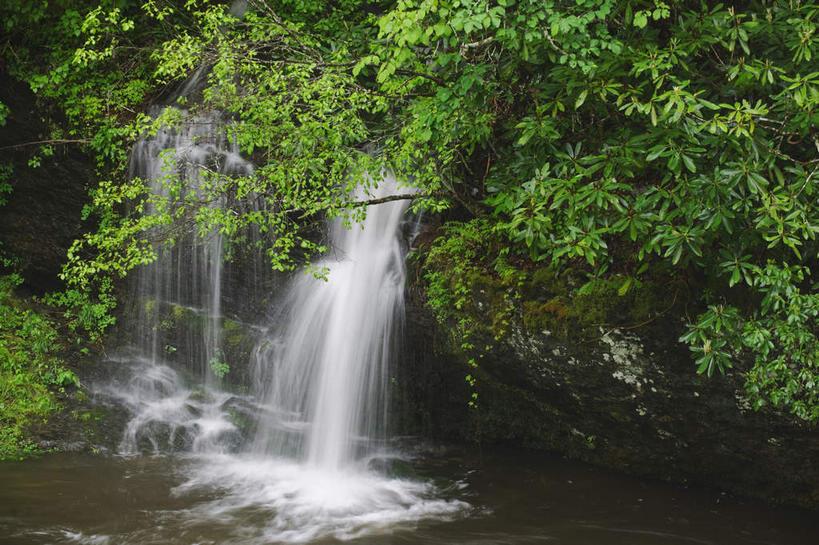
(218, 365)
(30, 371)
(619, 143)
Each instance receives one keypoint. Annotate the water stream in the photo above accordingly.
(168, 384)
(324, 371)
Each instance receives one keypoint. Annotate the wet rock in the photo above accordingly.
(392, 467)
(83, 425)
(624, 399)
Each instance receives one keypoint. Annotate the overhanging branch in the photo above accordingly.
(399, 197)
(39, 142)
(379, 200)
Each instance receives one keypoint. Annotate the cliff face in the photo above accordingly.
(42, 216)
(624, 399)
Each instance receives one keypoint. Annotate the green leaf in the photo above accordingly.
(581, 99)
(689, 163)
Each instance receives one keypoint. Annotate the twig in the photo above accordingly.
(474, 45)
(486, 172)
(38, 142)
(552, 41)
(382, 200)
(390, 198)
(437, 80)
(479, 43)
(292, 33)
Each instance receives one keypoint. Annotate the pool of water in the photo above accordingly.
(442, 496)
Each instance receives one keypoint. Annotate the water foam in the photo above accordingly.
(291, 502)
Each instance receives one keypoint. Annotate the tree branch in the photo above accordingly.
(382, 200)
(475, 45)
(261, 4)
(390, 198)
(437, 80)
(38, 142)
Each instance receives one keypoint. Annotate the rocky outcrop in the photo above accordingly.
(627, 399)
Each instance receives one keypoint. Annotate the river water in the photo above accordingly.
(500, 498)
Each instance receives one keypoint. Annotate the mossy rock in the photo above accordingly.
(564, 303)
(233, 333)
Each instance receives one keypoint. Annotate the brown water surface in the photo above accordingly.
(500, 499)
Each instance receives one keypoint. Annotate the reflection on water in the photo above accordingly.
(451, 498)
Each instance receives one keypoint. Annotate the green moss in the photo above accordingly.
(572, 309)
(185, 316)
(553, 316)
(177, 316)
(648, 300)
(594, 307)
(246, 425)
(472, 281)
(233, 333)
(87, 415)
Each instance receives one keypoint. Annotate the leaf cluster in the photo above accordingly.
(615, 133)
(30, 372)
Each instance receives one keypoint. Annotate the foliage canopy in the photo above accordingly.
(592, 134)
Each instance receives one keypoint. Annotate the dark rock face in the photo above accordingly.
(627, 399)
(178, 332)
(42, 216)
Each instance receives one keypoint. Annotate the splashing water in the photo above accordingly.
(291, 502)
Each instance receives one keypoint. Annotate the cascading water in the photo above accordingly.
(320, 370)
(324, 373)
(169, 412)
(190, 274)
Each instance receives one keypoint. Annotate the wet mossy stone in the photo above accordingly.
(600, 376)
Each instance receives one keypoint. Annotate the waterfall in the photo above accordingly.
(324, 373)
(190, 273)
(177, 409)
(319, 372)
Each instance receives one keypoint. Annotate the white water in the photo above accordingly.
(173, 411)
(324, 372)
(320, 373)
(190, 274)
(291, 502)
